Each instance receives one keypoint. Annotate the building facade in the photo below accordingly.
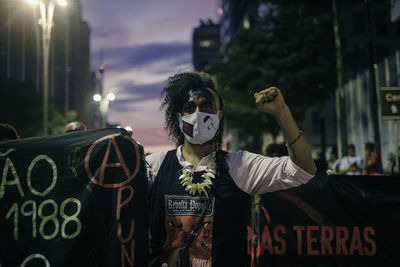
(21, 56)
(206, 44)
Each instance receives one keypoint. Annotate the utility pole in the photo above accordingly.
(340, 93)
(46, 8)
(373, 68)
(102, 103)
(46, 21)
(67, 65)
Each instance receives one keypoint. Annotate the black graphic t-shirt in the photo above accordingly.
(221, 240)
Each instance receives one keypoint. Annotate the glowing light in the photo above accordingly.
(110, 96)
(62, 2)
(205, 43)
(246, 23)
(97, 97)
(33, 2)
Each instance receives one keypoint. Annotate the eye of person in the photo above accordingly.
(207, 107)
(203, 106)
(189, 107)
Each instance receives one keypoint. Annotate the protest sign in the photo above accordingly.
(332, 221)
(75, 199)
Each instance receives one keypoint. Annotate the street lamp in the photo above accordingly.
(104, 103)
(46, 21)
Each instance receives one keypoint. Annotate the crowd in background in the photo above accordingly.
(365, 164)
(350, 164)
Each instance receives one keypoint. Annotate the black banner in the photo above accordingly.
(79, 199)
(332, 221)
(75, 199)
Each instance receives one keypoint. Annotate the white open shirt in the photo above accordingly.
(252, 173)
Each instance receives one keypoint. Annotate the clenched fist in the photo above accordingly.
(270, 100)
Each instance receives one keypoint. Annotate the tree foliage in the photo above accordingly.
(291, 47)
(58, 120)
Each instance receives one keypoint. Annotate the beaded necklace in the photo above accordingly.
(186, 179)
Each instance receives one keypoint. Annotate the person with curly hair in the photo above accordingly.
(8, 132)
(185, 178)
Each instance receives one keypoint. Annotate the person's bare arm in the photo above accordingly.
(351, 168)
(271, 101)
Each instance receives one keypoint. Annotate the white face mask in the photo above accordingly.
(199, 127)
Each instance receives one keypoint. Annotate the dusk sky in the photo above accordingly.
(143, 43)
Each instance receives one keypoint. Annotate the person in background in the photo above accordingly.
(332, 158)
(390, 168)
(75, 126)
(370, 165)
(350, 164)
(129, 130)
(8, 132)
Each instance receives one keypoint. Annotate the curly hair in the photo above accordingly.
(8, 132)
(174, 95)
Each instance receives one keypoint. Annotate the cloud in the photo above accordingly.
(143, 43)
(127, 57)
(144, 114)
(138, 73)
(148, 21)
(107, 32)
(130, 93)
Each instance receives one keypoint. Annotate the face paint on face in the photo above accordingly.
(200, 101)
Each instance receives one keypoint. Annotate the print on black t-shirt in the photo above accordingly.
(181, 215)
